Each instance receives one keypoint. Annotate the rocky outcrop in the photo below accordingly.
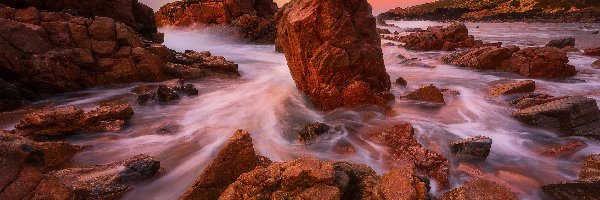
(447, 38)
(586, 187)
(111, 116)
(572, 116)
(480, 189)
(402, 147)
(501, 11)
(334, 52)
(234, 159)
(427, 93)
(534, 62)
(246, 20)
(472, 148)
(129, 12)
(506, 87)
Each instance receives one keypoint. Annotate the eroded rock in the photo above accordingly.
(447, 38)
(506, 87)
(480, 189)
(565, 149)
(562, 43)
(592, 51)
(472, 148)
(428, 93)
(310, 132)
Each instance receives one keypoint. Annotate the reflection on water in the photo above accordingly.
(266, 103)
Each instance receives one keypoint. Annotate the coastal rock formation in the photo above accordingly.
(403, 148)
(472, 148)
(506, 87)
(534, 62)
(250, 20)
(447, 38)
(586, 187)
(428, 93)
(480, 189)
(234, 159)
(573, 116)
(501, 11)
(334, 52)
(129, 12)
(111, 116)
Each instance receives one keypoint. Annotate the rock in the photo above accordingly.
(401, 82)
(103, 29)
(506, 87)
(562, 43)
(345, 67)
(235, 158)
(533, 62)
(447, 38)
(577, 189)
(566, 149)
(428, 93)
(596, 64)
(591, 167)
(383, 31)
(10, 97)
(166, 94)
(402, 147)
(573, 116)
(592, 51)
(189, 89)
(533, 99)
(480, 189)
(310, 132)
(472, 148)
(111, 116)
(403, 184)
(108, 181)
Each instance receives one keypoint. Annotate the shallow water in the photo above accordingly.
(265, 102)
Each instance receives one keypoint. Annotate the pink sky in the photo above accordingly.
(380, 6)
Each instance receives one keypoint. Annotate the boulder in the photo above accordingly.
(402, 147)
(427, 93)
(110, 116)
(596, 64)
(566, 149)
(562, 43)
(477, 148)
(310, 132)
(447, 38)
(480, 189)
(591, 167)
(506, 87)
(533, 99)
(573, 116)
(533, 62)
(342, 68)
(234, 159)
(164, 92)
(592, 51)
(401, 82)
(401, 183)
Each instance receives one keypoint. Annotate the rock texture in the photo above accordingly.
(312, 131)
(533, 62)
(472, 148)
(480, 189)
(250, 20)
(506, 87)
(501, 11)
(586, 187)
(334, 52)
(234, 159)
(573, 116)
(562, 43)
(403, 148)
(566, 149)
(592, 51)
(447, 38)
(428, 93)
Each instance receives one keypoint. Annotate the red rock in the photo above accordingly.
(234, 159)
(447, 38)
(596, 64)
(27, 38)
(566, 149)
(480, 189)
(30, 15)
(404, 148)
(506, 87)
(103, 29)
(592, 51)
(591, 167)
(344, 67)
(108, 117)
(401, 183)
(428, 93)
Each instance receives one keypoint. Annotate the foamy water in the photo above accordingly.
(265, 102)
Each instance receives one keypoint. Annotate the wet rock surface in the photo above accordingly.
(591, 167)
(565, 150)
(562, 43)
(428, 93)
(592, 51)
(234, 159)
(344, 68)
(480, 189)
(401, 82)
(533, 62)
(586, 187)
(506, 87)
(477, 148)
(447, 38)
(164, 93)
(310, 132)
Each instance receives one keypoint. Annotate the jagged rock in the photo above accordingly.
(566, 149)
(562, 43)
(591, 167)
(533, 62)
(166, 94)
(506, 87)
(235, 158)
(574, 116)
(404, 148)
(592, 51)
(108, 181)
(310, 132)
(428, 93)
(447, 38)
(401, 82)
(480, 189)
(344, 67)
(472, 148)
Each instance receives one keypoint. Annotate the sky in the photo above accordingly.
(379, 6)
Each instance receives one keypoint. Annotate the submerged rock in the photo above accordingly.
(562, 43)
(574, 116)
(591, 167)
(480, 189)
(506, 87)
(344, 67)
(596, 64)
(234, 159)
(566, 149)
(586, 187)
(533, 62)
(310, 132)
(472, 148)
(428, 93)
(164, 92)
(401, 82)
(447, 38)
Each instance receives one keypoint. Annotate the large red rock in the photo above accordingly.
(447, 38)
(334, 52)
(533, 62)
(234, 159)
(592, 51)
(480, 189)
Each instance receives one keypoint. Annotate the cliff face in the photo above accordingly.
(502, 10)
